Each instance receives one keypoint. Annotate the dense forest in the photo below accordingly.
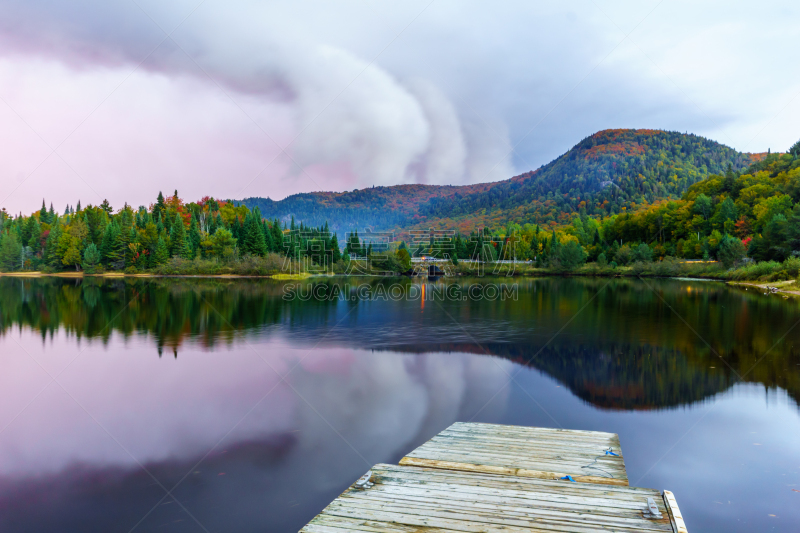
(610, 172)
(94, 238)
(729, 217)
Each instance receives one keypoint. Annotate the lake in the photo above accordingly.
(248, 405)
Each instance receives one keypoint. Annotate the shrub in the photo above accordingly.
(757, 271)
(638, 267)
(731, 251)
(572, 255)
(668, 267)
(624, 255)
(642, 253)
(792, 266)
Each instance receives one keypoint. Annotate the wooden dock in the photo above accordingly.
(478, 478)
(586, 456)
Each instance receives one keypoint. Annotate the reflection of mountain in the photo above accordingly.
(622, 344)
(612, 376)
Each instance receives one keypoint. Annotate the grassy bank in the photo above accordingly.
(279, 267)
(765, 271)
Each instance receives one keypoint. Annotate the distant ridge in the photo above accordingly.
(606, 173)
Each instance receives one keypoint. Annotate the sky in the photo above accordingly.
(119, 100)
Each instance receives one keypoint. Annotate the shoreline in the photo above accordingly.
(117, 275)
(767, 286)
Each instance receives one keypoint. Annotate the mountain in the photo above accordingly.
(609, 172)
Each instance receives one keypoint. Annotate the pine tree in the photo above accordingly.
(43, 214)
(252, 238)
(194, 235)
(10, 251)
(161, 253)
(267, 236)
(131, 251)
(277, 237)
(113, 246)
(336, 254)
(179, 243)
(160, 208)
(91, 258)
(50, 255)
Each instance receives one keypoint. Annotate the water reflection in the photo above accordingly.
(244, 438)
(616, 342)
(260, 409)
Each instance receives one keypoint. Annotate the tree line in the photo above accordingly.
(91, 238)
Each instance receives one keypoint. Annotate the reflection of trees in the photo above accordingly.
(171, 311)
(621, 343)
(613, 376)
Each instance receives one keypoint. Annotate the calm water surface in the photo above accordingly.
(221, 406)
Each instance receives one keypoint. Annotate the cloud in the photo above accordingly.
(353, 123)
(369, 94)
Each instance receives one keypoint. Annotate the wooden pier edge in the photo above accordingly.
(674, 513)
(520, 472)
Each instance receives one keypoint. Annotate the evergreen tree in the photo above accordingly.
(10, 252)
(267, 236)
(160, 208)
(336, 254)
(91, 258)
(50, 255)
(43, 216)
(161, 253)
(795, 149)
(177, 237)
(113, 246)
(277, 236)
(194, 235)
(252, 238)
(132, 251)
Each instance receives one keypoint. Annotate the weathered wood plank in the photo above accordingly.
(510, 471)
(543, 453)
(421, 475)
(484, 426)
(412, 499)
(498, 458)
(674, 513)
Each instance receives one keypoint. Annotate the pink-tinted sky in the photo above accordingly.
(236, 99)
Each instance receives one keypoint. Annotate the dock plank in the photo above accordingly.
(544, 453)
(407, 499)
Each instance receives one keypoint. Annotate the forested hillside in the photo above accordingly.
(375, 207)
(610, 172)
(757, 211)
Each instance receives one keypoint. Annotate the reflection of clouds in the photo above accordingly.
(383, 403)
(389, 402)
